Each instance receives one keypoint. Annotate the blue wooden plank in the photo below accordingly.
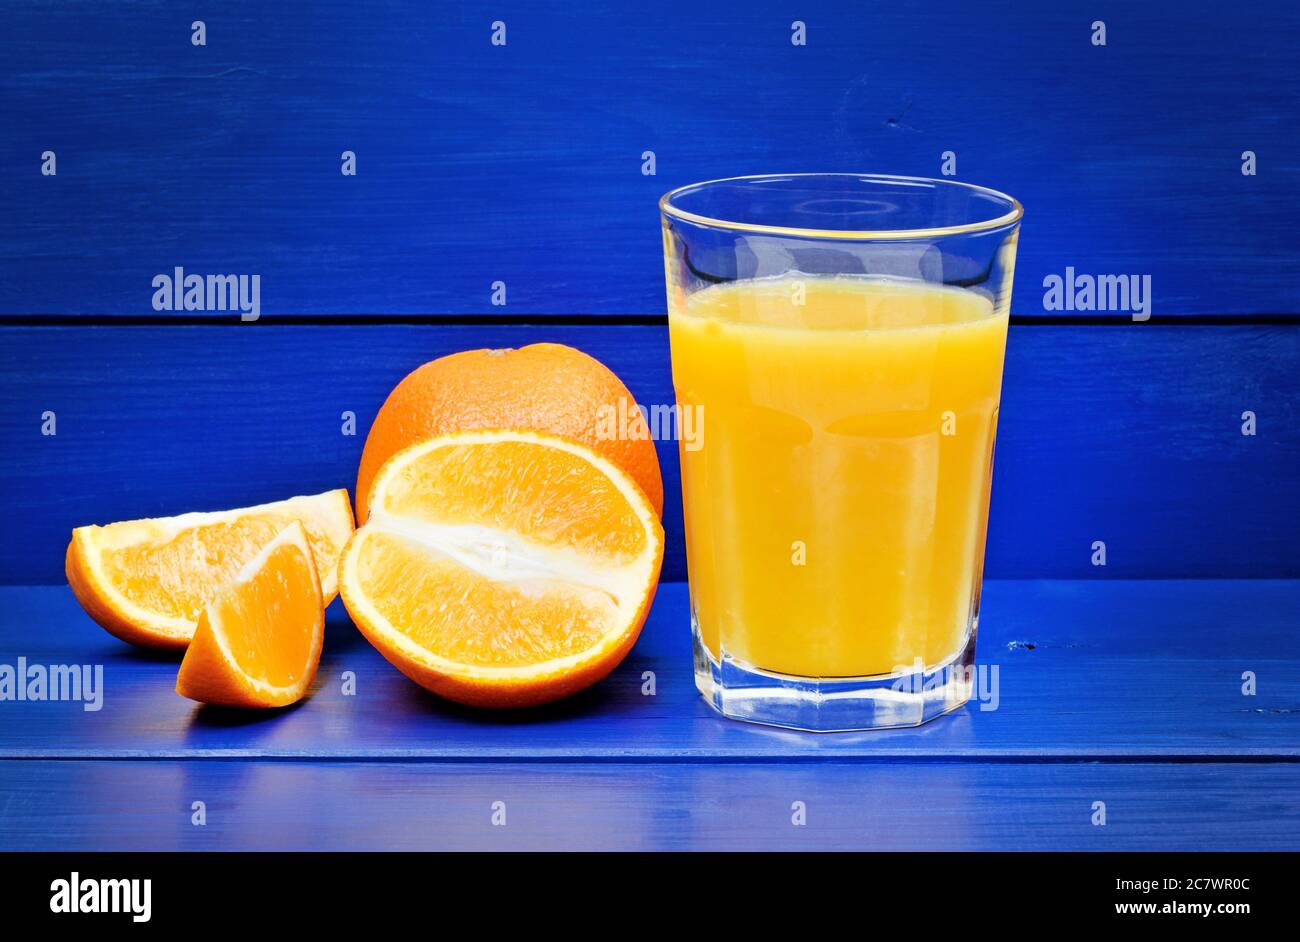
(523, 163)
(1130, 435)
(1111, 670)
(249, 805)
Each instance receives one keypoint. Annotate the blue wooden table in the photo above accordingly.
(1128, 693)
(505, 194)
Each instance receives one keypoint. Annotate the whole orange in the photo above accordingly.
(544, 387)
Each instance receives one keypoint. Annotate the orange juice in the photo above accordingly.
(835, 507)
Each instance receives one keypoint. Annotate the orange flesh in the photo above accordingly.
(550, 495)
(269, 622)
(176, 577)
(475, 620)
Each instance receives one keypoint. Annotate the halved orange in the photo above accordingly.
(503, 568)
(258, 640)
(146, 581)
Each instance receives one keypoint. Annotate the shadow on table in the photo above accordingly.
(602, 699)
(209, 716)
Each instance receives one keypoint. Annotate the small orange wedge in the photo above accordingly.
(503, 568)
(258, 640)
(146, 581)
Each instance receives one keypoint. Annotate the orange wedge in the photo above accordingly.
(146, 581)
(503, 568)
(258, 640)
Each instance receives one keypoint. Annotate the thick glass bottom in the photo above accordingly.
(741, 691)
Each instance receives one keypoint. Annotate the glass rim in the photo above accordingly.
(1009, 218)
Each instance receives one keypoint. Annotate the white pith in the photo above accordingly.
(504, 557)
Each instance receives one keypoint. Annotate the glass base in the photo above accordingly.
(741, 691)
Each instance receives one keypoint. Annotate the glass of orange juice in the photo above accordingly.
(838, 341)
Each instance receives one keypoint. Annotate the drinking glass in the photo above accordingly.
(837, 346)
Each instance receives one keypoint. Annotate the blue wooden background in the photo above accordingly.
(1127, 434)
(523, 164)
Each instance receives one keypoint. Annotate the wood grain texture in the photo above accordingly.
(522, 163)
(1126, 434)
(251, 805)
(1107, 670)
